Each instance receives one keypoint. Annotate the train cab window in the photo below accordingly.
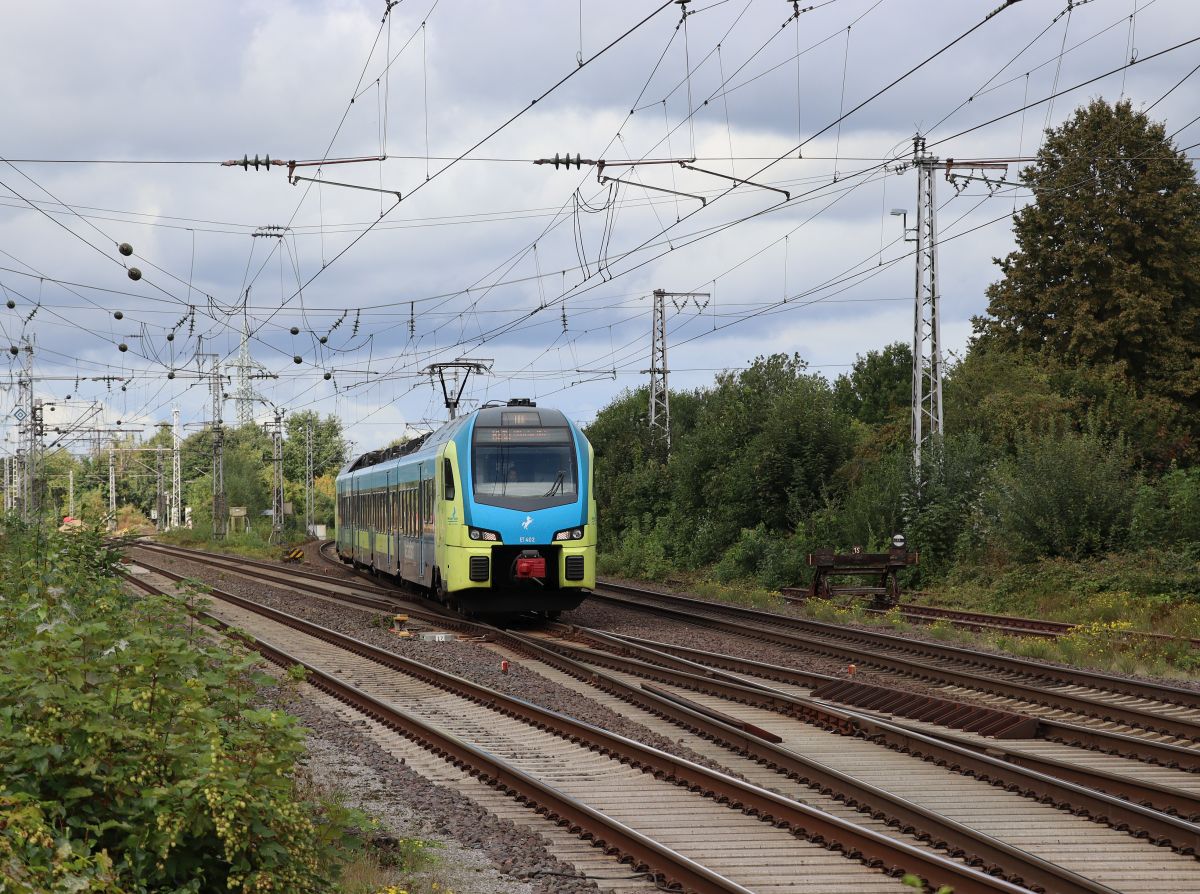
(524, 468)
(447, 479)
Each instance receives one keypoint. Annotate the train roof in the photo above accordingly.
(521, 416)
(375, 457)
(516, 413)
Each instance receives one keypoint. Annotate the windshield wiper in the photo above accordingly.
(557, 485)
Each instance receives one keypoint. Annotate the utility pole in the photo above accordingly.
(220, 509)
(659, 416)
(246, 369)
(277, 490)
(160, 500)
(176, 476)
(19, 481)
(35, 454)
(660, 395)
(927, 324)
(112, 485)
(71, 492)
(24, 413)
(308, 477)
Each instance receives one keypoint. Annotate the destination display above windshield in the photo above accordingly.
(522, 435)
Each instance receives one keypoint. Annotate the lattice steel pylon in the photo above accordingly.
(112, 485)
(659, 418)
(176, 471)
(927, 327)
(220, 506)
(244, 395)
(308, 478)
(277, 469)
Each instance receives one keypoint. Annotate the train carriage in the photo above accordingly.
(494, 512)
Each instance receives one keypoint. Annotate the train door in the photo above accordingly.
(423, 510)
(389, 526)
(356, 498)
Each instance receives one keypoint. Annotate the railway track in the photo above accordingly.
(982, 621)
(686, 824)
(1061, 727)
(709, 720)
(1153, 711)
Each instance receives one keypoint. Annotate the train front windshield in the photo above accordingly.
(524, 468)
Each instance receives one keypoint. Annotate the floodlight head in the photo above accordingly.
(897, 212)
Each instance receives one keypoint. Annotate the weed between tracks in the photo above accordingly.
(254, 544)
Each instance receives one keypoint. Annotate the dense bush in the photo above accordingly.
(1167, 512)
(134, 752)
(1062, 493)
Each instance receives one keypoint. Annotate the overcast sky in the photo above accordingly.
(481, 238)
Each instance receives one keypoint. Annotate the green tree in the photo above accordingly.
(766, 442)
(878, 389)
(1107, 265)
(329, 448)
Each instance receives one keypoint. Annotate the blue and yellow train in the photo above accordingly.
(494, 512)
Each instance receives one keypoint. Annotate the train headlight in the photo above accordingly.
(483, 534)
(569, 534)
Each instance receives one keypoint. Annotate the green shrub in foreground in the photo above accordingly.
(134, 752)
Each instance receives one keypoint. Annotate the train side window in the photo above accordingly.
(447, 479)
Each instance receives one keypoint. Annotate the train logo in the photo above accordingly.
(528, 521)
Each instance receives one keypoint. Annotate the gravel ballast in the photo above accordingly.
(464, 658)
(480, 853)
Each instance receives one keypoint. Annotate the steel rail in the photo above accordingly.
(1145, 750)
(1121, 790)
(841, 645)
(1157, 797)
(200, 555)
(891, 856)
(972, 620)
(1175, 757)
(646, 854)
(960, 840)
(1063, 676)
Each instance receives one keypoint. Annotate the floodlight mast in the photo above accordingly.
(452, 391)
